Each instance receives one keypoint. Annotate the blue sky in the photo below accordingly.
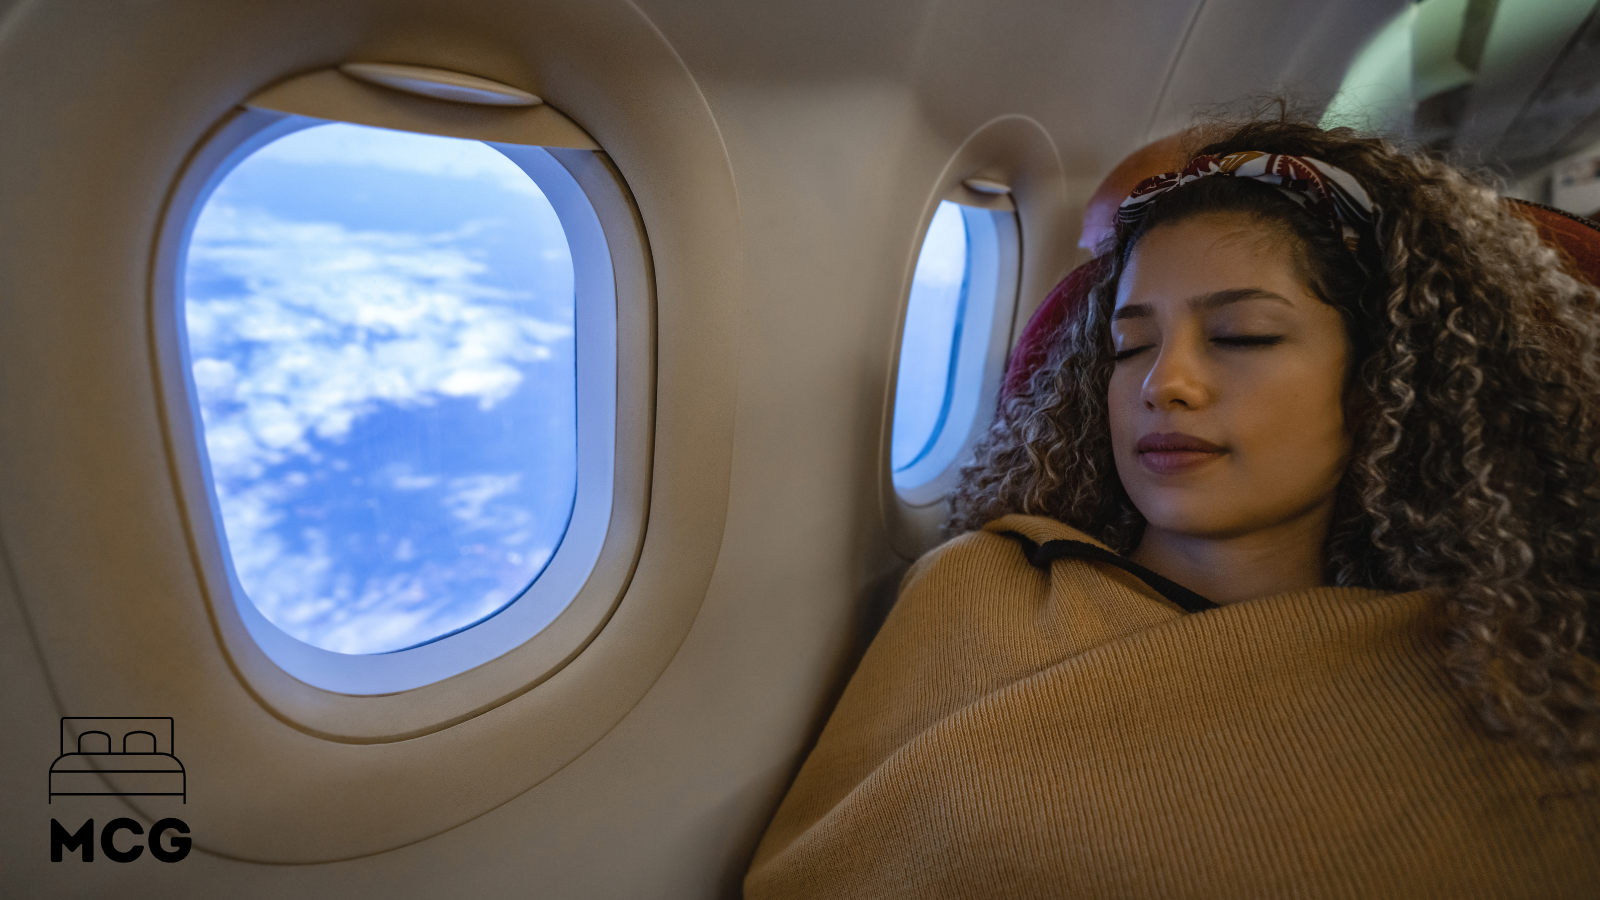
(929, 330)
(380, 333)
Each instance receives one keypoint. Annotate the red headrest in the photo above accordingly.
(1577, 238)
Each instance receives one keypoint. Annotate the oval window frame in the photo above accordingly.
(407, 692)
(1009, 162)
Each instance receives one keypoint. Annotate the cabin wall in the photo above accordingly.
(785, 158)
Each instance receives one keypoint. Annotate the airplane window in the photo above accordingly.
(380, 333)
(927, 350)
(953, 345)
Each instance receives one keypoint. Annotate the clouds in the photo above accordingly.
(318, 324)
(387, 397)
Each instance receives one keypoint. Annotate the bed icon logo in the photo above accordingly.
(133, 754)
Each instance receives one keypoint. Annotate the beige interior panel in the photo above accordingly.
(125, 628)
(782, 157)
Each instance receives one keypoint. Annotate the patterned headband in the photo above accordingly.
(1326, 190)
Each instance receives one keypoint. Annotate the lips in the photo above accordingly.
(1174, 441)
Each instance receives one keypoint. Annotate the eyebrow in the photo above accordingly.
(1203, 302)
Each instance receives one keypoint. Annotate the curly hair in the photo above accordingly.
(1472, 401)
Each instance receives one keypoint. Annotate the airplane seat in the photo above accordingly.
(1576, 238)
(1033, 345)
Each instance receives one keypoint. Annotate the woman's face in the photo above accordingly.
(1218, 337)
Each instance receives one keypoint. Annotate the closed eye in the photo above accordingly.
(1262, 340)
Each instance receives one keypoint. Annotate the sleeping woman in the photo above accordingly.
(1279, 577)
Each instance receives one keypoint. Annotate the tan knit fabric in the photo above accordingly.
(1013, 732)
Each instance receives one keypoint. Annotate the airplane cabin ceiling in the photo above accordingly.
(1562, 114)
(1101, 76)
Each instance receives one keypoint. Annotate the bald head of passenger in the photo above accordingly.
(1166, 155)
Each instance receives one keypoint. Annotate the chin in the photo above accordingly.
(1195, 516)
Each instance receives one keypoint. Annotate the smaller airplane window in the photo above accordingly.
(927, 349)
(953, 345)
(380, 332)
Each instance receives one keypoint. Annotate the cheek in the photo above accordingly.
(1118, 397)
(1301, 418)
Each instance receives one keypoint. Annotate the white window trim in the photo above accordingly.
(529, 612)
(540, 631)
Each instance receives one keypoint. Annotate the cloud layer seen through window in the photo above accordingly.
(380, 331)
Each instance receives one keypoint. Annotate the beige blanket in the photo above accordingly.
(1065, 732)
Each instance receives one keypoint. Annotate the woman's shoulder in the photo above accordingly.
(1005, 531)
(983, 557)
(1040, 530)
(997, 538)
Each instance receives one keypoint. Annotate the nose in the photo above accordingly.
(1176, 377)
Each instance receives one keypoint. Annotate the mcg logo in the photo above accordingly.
(135, 753)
